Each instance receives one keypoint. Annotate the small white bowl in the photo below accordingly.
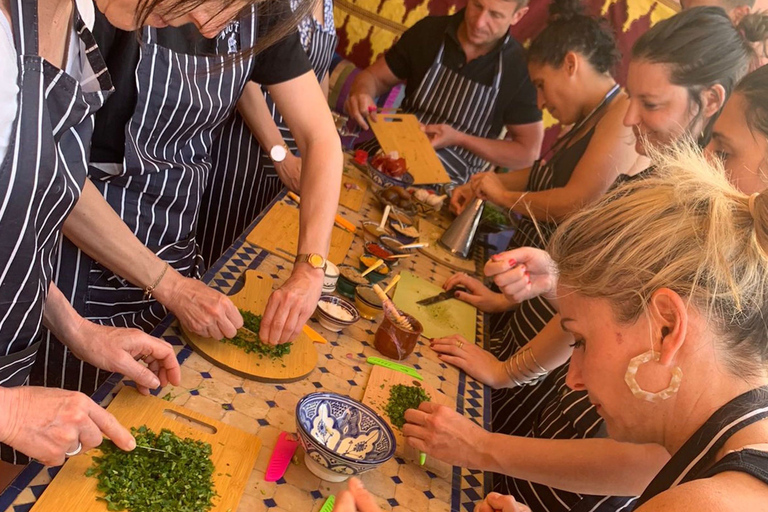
(331, 322)
(330, 278)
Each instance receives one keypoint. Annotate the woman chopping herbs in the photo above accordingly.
(59, 80)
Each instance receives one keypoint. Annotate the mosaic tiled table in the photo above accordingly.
(266, 409)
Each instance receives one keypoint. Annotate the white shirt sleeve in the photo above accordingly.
(9, 88)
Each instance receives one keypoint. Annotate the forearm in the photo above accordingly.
(320, 187)
(366, 83)
(515, 180)
(548, 350)
(98, 231)
(556, 204)
(601, 467)
(512, 154)
(59, 316)
(255, 112)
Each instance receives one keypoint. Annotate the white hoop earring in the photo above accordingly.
(631, 378)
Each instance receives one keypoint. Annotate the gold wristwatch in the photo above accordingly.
(315, 260)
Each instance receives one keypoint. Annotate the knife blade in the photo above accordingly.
(440, 297)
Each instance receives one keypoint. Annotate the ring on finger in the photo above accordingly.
(460, 344)
(77, 450)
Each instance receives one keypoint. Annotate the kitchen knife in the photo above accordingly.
(440, 297)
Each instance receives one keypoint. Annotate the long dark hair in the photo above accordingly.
(754, 89)
(570, 30)
(282, 19)
(702, 48)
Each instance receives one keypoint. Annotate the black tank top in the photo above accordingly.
(750, 461)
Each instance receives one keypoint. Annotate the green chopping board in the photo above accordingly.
(439, 320)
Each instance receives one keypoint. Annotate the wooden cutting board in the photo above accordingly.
(402, 133)
(377, 396)
(448, 317)
(428, 232)
(234, 454)
(294, 366)
(352, 198)
(278, 233)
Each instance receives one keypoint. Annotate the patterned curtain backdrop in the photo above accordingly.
(367, 28)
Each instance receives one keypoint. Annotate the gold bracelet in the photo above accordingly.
(149, 290)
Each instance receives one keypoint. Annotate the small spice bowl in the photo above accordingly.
(407, 234)
(395, 341)
(349, 279)
(379, 251)
(394, 245)
(367, 302)
(330, 278)
(335, 313)
(371, 231)
(377, 275)
(400, 218)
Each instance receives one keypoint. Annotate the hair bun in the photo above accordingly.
(565, 9)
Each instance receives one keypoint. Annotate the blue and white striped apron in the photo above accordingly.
(182, 102)
(244, 180)
(446, 97)
(41, 177)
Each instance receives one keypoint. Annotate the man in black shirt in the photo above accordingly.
(466, 78)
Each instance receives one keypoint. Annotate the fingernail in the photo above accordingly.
(496, 257)
(354, 483)
(131, 444)
(155, 382)
(512, 263)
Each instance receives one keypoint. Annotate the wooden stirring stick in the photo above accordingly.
(384, 217)
(388, 304)
(373, 267)
(392, 283)
(416, 245)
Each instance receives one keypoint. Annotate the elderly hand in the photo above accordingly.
(360, 106)
(148, 361)
(478, 363)
(495, 502)
(488, 186)
(290, 306)
(355, 499)
(523, 273)
(478, 294)
(461, 197)
(442, 135)
(443, 433)
(46, 423)
(200, 309)
(289, 171)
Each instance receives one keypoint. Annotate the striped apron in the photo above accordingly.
(549, 409)
(182, 102)
(446, 97)
(244, 180)
(41, 177)
(693, 460)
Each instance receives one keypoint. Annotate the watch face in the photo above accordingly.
(316, 260)
(277, 153)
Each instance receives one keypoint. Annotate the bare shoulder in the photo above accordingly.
(724, 492)
(614, 117)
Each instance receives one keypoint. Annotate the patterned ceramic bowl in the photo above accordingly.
(384, 180)
(335, 313)
(341, 436)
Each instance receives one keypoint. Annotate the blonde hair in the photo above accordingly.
(685, 228)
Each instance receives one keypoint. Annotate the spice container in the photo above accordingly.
(335, 313)
(377, 275)
(372, 232)
(330, 278)
(395, 341)
(378, 251)
(367, 302)
(407, 234)
(349, 279)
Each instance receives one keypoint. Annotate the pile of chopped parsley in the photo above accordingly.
(402, 398)
(175, 476)
(246, 341)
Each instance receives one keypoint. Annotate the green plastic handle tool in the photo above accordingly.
(395, 366)
(328, 505)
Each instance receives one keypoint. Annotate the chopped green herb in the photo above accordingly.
(168, 397)
(246, 341)
(402, 398)
(169, 474)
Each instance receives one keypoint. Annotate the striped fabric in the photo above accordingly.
(244, 180)
(182, 102)
(444, 96)
(43, 173)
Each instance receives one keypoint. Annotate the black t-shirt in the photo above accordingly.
(413, 54)
(281, 62)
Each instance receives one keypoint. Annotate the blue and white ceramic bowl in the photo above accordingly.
(341, 436)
